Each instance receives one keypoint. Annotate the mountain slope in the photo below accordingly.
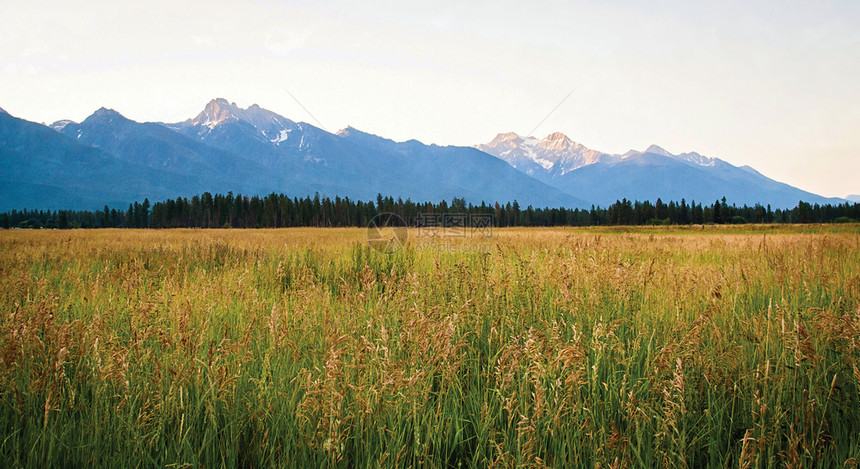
(161, 149)
(108, 159)
(42, 169)
(303, 158)
(545, 159)
(360, 165)
(424, 171)
(647, 175)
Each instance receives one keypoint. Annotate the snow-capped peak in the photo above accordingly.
(695, 158)
(557, 138)
(505, 138)
(506, 142)
(657, 150)
(61, 124)
(558, 142)
(556, 153)
(217, 111)
(273, 127)
(691, 157)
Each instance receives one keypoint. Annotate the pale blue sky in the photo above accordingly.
(775, 85)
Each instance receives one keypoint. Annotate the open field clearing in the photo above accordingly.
(656, 347)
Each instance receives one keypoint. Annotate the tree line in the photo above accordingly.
(279, 210)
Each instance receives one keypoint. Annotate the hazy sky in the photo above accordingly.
(771, 84)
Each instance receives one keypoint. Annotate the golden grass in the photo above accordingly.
(556, 347)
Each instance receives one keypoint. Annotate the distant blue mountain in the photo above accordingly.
(360, 165)
(109, 159)
(43, 169)
(163, 150)
(654, 173)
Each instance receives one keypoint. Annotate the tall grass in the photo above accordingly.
(305, 348)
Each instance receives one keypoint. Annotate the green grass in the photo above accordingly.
(304, 348)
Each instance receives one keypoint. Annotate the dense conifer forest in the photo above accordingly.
(279, 211)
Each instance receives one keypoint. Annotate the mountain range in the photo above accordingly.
(604, 178)
(108, 159)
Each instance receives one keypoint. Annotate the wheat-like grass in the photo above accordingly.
(306, 348)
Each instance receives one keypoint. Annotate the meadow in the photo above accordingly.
(555, 347)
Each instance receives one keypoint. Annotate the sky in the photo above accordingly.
(773, 85)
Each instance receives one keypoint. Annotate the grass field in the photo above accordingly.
(656, 347)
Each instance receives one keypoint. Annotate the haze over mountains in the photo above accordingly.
(110, 160)
(641, 175)
(248, 151)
